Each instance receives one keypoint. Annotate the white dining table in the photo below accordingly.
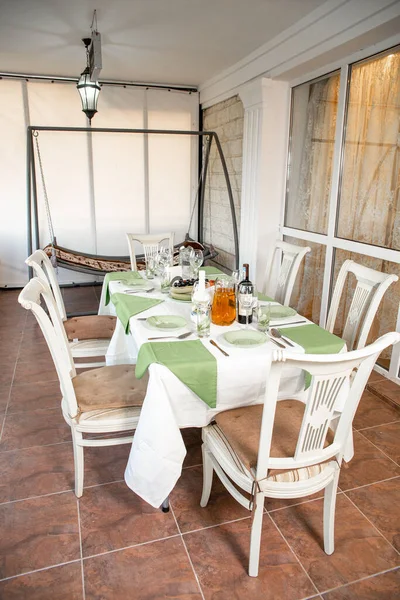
(158, 450)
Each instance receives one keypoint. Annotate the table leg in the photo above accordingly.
(165, 505)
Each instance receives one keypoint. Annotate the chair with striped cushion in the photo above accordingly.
(285, 449)
(88, 336)
(98, 404)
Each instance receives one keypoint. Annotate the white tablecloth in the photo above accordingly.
(158, 451)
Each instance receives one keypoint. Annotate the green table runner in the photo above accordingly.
(128, 277)
(314, 340)
(127, 306)
(211, 270)
(264, 297)
(190, 361)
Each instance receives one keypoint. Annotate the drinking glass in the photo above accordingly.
(150, 267)
(203, 324)
(165, 282)
(263, 317)
(196, 260)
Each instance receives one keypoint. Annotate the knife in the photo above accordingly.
(287, 324)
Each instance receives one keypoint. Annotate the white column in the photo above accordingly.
(265, 143)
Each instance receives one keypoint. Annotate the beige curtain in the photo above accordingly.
(308, 205)
(369, 196)
(369, 209)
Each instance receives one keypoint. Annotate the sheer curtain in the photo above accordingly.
(310, 183)
(99, 186)
(369, 199)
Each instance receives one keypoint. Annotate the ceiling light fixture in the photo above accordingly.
(88, 86)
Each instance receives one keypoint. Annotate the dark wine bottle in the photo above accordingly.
(245, 298)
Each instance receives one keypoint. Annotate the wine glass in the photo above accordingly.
(196, 260)
(237, 277)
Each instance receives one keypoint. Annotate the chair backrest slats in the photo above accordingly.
(289, 257)
(151, 244)
(370, 288)
(54, 333)
(41, 264)
(332, 375)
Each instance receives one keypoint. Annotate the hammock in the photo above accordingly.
(100, 265)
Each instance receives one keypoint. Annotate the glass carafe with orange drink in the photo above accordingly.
(223, 311)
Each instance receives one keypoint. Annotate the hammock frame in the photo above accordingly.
(32, 197)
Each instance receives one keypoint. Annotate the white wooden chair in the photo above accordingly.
(101, 401)
(289, 257)
(151, 244)
(88, 336)
(370, 289)
(285, 449)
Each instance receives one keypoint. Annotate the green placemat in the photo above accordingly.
(211, 270)
(127, 277)
(127, 306)
(264, 297)
(314, 340)
(190, 361)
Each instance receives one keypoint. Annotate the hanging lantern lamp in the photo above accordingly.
(88, 89)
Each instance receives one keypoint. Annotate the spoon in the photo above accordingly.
(277, 334)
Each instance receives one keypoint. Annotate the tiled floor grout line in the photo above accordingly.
(380, 450)
(168, 537)
(359, 487)
(12, 381)
(32, 447)
(371, 523)
(216, 525)
(80, 547)
(187, 553)
(60, 492)
(375, 426)
(345, 585)
(300, 503)
(294, 554)
(69, 562)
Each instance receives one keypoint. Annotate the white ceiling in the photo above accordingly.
(165, 41)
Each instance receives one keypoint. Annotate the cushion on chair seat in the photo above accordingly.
(241, 428)
(109, 387)
(94, 327)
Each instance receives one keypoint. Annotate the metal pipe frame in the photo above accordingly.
(110, 82)
(203, 189)
(31, 158)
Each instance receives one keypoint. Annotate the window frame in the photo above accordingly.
(330, 240)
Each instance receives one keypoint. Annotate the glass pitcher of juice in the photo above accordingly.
(223, 310)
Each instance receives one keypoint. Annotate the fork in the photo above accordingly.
(172, 337)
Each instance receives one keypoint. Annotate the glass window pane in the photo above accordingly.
(369, 196)
(307, 291)
(386, 317)
(314, 110)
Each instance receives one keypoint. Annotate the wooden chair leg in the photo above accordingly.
(208, 471)
(329, 514)
(255, 536)
(78, 463)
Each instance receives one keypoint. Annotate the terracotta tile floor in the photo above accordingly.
(110, 545)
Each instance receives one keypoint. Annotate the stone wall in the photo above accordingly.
(226, 119)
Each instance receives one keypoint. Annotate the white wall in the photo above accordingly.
(99, 185)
